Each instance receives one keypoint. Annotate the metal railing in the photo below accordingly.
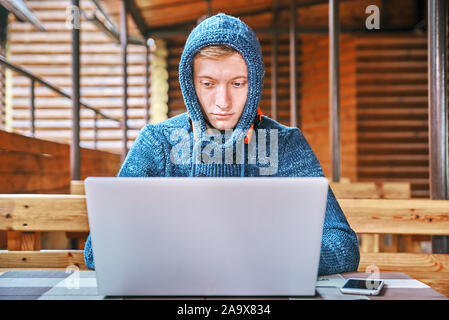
(33, 78)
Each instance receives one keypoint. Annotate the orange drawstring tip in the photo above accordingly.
(250, 133)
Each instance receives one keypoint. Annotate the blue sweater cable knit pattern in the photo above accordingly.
(152, 153)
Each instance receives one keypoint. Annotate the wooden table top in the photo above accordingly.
(438, 281)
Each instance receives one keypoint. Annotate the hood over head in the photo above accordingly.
(231, 31)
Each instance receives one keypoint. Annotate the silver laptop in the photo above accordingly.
(206, 236)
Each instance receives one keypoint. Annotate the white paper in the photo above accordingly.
(404, 283)
(331, 281)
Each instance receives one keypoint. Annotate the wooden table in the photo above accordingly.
(437, 281)
(401, 286)
(431, 269)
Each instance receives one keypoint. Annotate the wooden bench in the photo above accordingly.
(371, 190)
(29, 214)
(35, 213)
(342, 190)
(375, 242)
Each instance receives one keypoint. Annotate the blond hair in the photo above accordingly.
(216, 51)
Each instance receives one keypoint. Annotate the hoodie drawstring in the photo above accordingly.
(244, 145)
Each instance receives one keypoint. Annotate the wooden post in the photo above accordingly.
(334, 87)
(274, 63)
(438, 122)
(293, 59)
(75, 152)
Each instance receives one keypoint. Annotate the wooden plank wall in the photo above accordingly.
(383, 85)
(314, 107)
(384, 132)
(48, 54)
(312, 92)
(392, 110)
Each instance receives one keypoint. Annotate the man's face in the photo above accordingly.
(222, 88)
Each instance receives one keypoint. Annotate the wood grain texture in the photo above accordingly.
(42, 259)
(29, 165)
(413, 216)
(43, 213)
(405, 262)
(16, 142)
(384, 216)
(431, 269)
(77, 187)
(371, 190)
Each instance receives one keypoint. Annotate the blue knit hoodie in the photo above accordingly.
(171, 149)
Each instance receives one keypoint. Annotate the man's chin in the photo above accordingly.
(223, 125)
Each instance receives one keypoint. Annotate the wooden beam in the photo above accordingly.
(22, 212)
(293, 65)
(334, 88)
(405, 262)
(385, 216)
(386, 262)
(33, 212)
(371, 190)
(354, 190)
(42, 259)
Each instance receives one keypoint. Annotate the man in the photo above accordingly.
(223, 133)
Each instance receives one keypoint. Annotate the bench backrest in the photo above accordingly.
(385, 216)
(342, 190)
(371, 190)
(33, 213)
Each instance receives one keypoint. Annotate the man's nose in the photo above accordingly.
(222, 98)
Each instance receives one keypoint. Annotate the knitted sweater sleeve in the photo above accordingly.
(339, 247)
(144, 159)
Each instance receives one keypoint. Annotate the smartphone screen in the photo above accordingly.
(362, 284)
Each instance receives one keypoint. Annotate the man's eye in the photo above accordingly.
(238, 84)
(207, 84)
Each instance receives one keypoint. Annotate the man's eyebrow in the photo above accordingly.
(209, 77)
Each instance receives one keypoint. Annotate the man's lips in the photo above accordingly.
(222, 116)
